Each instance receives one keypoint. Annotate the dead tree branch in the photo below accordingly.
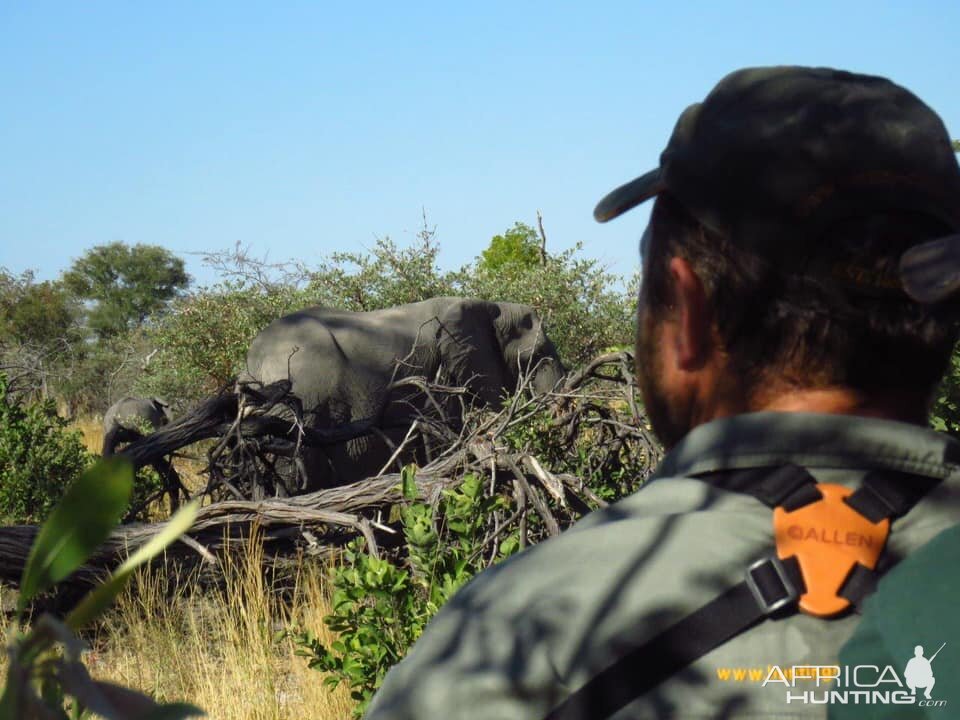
(552, 458)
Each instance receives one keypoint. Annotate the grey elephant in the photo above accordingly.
(131, 418)
(342, 365)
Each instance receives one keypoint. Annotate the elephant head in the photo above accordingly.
(163, 407)
(487, 347)
(129, 418)
(526, 348)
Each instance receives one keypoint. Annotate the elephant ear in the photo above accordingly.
(519, 330)
(470, 349)
(164, 407)
(527, 348)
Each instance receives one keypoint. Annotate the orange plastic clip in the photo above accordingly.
(828, 537)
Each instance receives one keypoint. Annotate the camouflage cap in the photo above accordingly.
(773, 157)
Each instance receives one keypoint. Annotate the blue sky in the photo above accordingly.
(303, 128)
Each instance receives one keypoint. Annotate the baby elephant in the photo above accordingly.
(131, 418)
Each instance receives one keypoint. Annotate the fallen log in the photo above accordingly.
(331, 514)
(540, 501)
(318, 523)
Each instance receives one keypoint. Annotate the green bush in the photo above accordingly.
(583, 309)
(610, 474)
(552, 461)
(945, 415)
(384, 277)
(39, 458)
(380, 607)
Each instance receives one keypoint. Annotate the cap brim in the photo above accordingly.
(930, 273)
(626, 197)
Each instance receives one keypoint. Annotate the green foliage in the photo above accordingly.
(45, 675)
(517, 246)
(39, 458)
(39, 314)
(125, 284)
(381, 604)
(202, 342)
(384, 277)
(611, 475)
(148, 487)
(945, 415)
(380, 608)
(583, 311)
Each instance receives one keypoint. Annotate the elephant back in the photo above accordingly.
(334, 357)
(135, 414)
(129, 418)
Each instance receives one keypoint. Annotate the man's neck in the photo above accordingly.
(844, 401)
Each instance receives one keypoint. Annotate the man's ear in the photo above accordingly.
(694, 337)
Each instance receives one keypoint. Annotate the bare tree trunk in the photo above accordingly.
(543, 239)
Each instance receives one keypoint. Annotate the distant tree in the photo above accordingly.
(125, 285)
(517, 246)
(956, 146)
(38, 331)
(34, 313)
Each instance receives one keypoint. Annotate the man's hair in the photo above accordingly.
(809, 330)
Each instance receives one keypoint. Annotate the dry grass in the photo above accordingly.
(221, 650)
(91, 427)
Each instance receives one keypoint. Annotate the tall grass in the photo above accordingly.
(223, 649)
(91, 427)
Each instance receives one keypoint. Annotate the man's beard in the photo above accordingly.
(667, 426)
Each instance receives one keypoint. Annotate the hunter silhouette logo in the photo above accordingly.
(859, 684)
(919, 671)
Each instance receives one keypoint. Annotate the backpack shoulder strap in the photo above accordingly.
(771, 587)
(768, 587)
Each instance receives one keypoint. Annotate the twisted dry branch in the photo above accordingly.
(596, 408)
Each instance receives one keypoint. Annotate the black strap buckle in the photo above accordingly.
(771, 585)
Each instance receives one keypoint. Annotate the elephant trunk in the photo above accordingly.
(546, 376)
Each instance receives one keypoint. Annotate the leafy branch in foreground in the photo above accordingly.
(46, 678)
(380, 607)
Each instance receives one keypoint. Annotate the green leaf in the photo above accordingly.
(10, 700)
(408, 481)
(100, 598)
(83, 519)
